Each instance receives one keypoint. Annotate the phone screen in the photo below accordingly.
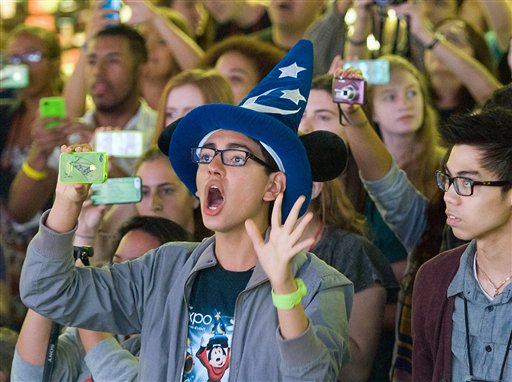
(117, 191)
(120, 143)
(375, 72)
(14, 77)
(83, 167)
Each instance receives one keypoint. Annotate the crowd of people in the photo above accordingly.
(280, 234)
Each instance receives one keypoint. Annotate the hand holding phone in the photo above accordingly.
(52, 107)
(88, 167)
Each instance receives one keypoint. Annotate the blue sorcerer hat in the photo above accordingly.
(270, 114)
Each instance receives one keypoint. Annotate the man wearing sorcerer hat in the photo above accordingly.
(285, 312)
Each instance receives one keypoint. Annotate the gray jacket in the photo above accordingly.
(150, 296)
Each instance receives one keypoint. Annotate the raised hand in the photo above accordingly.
(73, 193)
(284, 243)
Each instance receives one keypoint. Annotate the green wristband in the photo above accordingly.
(290, 300)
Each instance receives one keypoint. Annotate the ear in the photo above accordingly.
(276, 185)
(317, 189)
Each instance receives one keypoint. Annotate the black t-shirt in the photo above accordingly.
(211, 323)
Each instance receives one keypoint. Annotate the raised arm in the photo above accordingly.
(75, 89)
(301, 326)
(185, 50)
(402, 207)
(356, 43)
(476, 78)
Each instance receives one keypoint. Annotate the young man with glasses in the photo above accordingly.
(246, 304)
(462, 302)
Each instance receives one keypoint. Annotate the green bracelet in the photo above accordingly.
(290, 300)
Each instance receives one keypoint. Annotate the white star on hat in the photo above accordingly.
(293, 95)
(290, 71)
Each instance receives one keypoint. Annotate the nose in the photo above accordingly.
(451, 196)
(216, 166)
(305, 125)
(97, 67)
(156, 202)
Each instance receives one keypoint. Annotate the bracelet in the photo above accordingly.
(290, 300)
(357, 42)
(32, 173)
(437, 37)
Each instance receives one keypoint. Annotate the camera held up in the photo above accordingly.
(348, 90)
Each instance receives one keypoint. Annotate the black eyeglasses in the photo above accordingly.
(464, 186)
(26, 58)
(229, 157)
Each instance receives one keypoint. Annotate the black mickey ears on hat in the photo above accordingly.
(327, 152)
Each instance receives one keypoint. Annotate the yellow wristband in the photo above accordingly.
(32, 173)
(288, 301)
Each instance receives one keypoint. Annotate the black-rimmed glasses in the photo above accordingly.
(229, 157)
(464, 186)
(26, 58)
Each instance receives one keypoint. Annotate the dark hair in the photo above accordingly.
(490, 132)
(322, 82)
(164, 230)
(500, 98)
(264, 55)
(136, 41)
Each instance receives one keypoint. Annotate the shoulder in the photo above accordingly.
(441, 269)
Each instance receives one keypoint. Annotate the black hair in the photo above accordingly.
(136, 41)
(164, 230)
(491, 133)
(500, 98)
(322, 82)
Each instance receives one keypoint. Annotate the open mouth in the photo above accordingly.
(215, 198)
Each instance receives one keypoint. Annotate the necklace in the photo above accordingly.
(496, 287)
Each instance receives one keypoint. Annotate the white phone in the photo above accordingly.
(375, 72)
(120, 143)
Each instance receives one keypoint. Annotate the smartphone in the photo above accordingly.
(14, 76)
(52, 107)
(114, 6)
(83, 167)
(375, 72)
(120, 143)
(117, 191)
